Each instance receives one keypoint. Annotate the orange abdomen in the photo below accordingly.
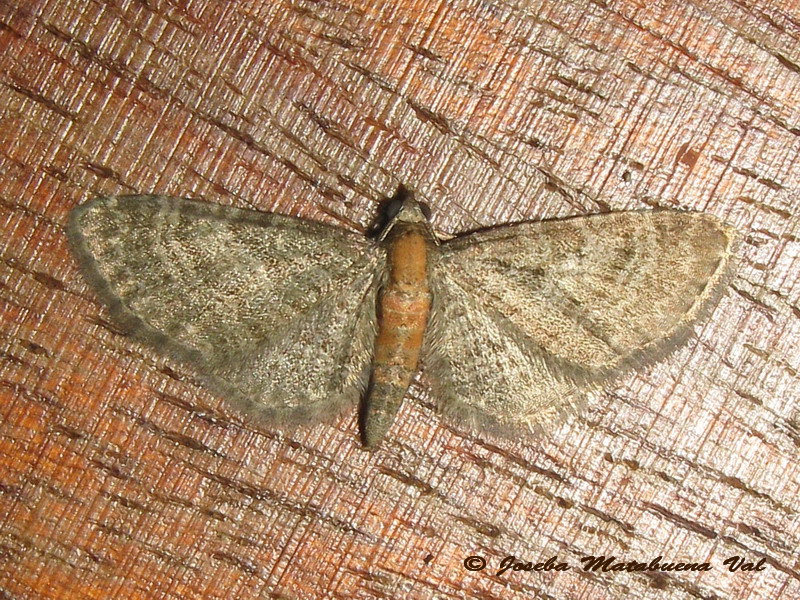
(403, 308)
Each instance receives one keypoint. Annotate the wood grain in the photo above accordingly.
(121, 477)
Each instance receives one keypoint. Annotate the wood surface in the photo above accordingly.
(122, 477)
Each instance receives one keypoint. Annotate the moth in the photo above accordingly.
(294, 321)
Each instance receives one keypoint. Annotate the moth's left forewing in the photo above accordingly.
(277, 314)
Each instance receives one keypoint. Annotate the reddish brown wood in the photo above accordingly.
(120, 477)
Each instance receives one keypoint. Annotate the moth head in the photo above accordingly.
(404, 208)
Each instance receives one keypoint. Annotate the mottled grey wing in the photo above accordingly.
(528, 317)
(278, 314)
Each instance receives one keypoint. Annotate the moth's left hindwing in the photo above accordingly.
(276, 313)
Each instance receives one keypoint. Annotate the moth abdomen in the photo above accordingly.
(404, 304)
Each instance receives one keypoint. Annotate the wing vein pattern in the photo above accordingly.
(528, 318)
(277, 313)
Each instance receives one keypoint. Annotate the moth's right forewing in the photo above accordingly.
(602, 292)
(572, 302)
(276, 313)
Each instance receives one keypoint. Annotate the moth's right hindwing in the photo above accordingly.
(528, 317)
